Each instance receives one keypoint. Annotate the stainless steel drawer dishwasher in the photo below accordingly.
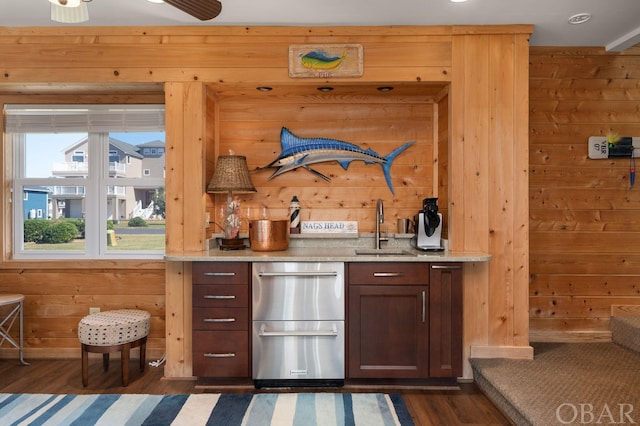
(298, 317)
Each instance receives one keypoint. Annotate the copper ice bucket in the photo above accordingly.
(269, 235)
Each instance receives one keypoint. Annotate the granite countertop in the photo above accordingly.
(350, 248)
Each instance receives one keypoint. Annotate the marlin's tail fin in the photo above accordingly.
(386, 166)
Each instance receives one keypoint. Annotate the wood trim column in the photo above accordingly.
(185, 198)
(489, 153)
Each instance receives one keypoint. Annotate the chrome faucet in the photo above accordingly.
(379, 221)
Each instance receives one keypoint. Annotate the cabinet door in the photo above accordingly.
(445, 318)
(388, 331)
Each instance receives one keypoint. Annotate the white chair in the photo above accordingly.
(10, 318)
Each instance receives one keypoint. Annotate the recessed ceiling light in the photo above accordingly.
(579, 18)
(156, 1)
(457, 1)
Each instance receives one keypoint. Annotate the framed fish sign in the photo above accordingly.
(325, 60)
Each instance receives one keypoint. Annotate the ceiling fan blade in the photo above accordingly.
(201, 9)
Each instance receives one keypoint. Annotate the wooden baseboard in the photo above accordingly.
(625, 310)
(511, 352)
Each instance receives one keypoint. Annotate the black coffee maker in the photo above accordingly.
(429, 226)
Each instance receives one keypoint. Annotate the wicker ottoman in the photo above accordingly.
(113, 331)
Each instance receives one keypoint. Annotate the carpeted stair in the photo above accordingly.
(625, 331)
(548, 390)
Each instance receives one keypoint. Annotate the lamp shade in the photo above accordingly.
(231, 175)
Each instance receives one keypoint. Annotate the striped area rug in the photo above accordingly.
(308, 409)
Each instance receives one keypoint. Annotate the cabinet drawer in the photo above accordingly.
(223, 319)
(388, 273)
(221, 296)
(221, 353)
(220, 273)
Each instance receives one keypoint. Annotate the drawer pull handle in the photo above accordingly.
(219, 320)
(219, 297)
(219, 274)
(308, 333)
(298, 274)
(446, 267)
(227, 355)
(424, 306)
(388, 274)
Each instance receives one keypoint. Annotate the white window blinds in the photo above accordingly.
(83, 118)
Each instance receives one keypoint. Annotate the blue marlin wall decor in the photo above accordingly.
(301, 152)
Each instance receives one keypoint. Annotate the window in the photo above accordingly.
(67, 167)
(114, 157)
(78, 157)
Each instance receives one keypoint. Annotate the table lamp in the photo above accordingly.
(231, 175)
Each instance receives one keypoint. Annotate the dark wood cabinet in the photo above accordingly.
(445, 320)
(388, 320)
(221, 319)
(404, 320)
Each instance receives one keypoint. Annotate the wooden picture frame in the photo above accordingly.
(325, 60)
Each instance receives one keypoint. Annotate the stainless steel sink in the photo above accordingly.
(384, 252)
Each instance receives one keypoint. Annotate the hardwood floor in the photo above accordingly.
(467, 406)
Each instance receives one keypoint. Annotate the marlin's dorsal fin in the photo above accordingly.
(287, 139)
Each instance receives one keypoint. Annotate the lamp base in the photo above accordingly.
(232, 244)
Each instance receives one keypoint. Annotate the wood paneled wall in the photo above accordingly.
(56, 298)
(584, 217)
(484, 69)
(250, 125)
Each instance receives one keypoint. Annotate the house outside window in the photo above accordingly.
(73, 174)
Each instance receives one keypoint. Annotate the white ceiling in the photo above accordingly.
(615, 24)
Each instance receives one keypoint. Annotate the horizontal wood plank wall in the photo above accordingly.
(584, 215)
(57, 297)
(192, 60)
(252, 127)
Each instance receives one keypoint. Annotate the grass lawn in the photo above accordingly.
(123, 242)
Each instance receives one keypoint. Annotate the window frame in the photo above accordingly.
(95, 183)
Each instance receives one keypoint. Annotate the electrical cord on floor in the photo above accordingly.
(159, 362)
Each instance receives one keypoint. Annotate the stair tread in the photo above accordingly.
(625, 331)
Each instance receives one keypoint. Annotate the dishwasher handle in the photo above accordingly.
(298, 274)
(307, 333)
